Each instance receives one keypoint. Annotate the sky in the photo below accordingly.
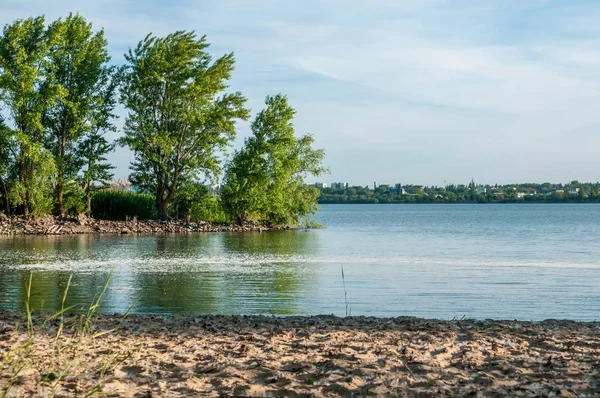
(412, 91)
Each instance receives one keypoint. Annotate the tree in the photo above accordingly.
(398, 189)
(194, 202)
(93, 146)
(92, 152)
(27, 89)
(78, 61)
(180, 118)
(581, 194)
(264, 182)
(6, 143)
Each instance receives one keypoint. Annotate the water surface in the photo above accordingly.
(527, 262)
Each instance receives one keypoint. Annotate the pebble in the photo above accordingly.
(50, 225)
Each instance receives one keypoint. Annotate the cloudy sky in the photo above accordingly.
(411, 91)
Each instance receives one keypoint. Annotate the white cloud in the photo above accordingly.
(452, 86)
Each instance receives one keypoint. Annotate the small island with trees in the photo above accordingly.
(59, 93)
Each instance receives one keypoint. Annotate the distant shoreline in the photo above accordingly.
(463, 203)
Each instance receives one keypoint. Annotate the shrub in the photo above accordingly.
(195, 203)
(123, 205)
(209, 209)
(73, 198)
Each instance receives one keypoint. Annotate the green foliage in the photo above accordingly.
(73, 198)
(195, 203)
(6, 141)
(188, 195)
(209, 209)
(34, 188)
(470, 193)
(23, 69)
(78, 64)
(122, 205)
(93, 146)
(311, 224)
(180, 118)
(264, 182)
(27, 89)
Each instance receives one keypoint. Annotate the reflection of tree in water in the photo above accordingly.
(218, 273)
(230, 285)
(33, 249)
(283, 243)
(277, 284)
(47, 286)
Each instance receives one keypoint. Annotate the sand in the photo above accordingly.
(150, 356)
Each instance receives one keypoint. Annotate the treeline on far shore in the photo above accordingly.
(573, 192)
(58, 94)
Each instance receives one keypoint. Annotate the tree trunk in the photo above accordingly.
(5, 194)
(162, 208)
(88, 192)
(60, 207)
(22, 177)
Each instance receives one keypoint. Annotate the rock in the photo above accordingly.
(83, 219)
(83, 224)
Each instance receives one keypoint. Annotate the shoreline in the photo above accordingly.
(464, 203)
(311, 355)
(81, 225)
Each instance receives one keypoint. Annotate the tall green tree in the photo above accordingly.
(93, 147)
(264, 182)
(6, 147)
(27, 89)
(78, 63)
(180, 117)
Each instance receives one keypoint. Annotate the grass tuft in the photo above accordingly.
(67, 349)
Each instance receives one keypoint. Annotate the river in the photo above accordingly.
(501, 261)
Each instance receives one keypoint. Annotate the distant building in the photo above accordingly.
(481, 191)
(121, 185)
(394, 190)
(339, 185)
(320, 185)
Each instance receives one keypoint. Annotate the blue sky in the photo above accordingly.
(413, 91)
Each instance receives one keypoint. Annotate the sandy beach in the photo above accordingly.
(148, 356)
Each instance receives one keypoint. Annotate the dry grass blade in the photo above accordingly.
(345, 293)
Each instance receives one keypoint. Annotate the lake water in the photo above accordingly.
(527, 262)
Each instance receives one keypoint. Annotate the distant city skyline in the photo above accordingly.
(418, 91)
(374, 184)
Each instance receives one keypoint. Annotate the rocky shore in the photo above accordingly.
(49, 225)
(149, 356)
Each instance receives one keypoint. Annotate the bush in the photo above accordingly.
(209, 209)
(73, 198)
(123, 205)
(195, 203)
